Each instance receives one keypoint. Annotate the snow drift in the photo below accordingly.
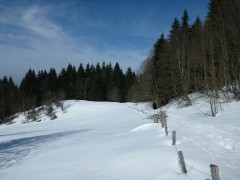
(102, 140)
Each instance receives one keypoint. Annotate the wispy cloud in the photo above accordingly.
(47, 33)
(36, 41)
(33, 19)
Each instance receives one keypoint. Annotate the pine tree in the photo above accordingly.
(196, 56)
(62, 80)
(42, 78)
(162, 85)
(175, 56)
(184, 67)
(96, 92)
(129, 81)
(52, 85)
(158, 49)
(28, 89)
(88, 76)
(116, 92)
(80, 80)
(104, 81)
(70, 82)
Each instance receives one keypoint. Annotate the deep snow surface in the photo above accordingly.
(113, 141)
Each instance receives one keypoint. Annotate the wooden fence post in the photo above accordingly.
(165, 125)
(162, 122)
(182, 162)
(214, 172)
(162, 117)
(155, 118)
(173, 137)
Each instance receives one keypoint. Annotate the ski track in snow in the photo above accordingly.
(14, 151)
(214, 140)
(218, 143)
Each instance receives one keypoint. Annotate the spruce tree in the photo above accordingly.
(28, 89)
(116, 92)
(129, 81)
(80, 80)
(162, 85)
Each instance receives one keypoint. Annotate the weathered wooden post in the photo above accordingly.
(162, 123)
(165, 125)
(162, 117)
(155, 118)
(173, 137)
(214, 172)
(182, 162)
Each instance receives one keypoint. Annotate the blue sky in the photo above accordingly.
(41, 34)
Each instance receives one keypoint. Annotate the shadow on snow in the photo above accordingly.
(13, 151)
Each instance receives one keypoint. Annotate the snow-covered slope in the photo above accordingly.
(114, 141)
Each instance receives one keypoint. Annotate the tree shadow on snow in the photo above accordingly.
(13, 151)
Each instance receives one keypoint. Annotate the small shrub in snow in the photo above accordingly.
(50, 112)
(53, 117)
(40, 109)
(154, 105)
(62, 105)
(32, 115)
(58, 103)
(184, 102)
(9, 120)
(237, 96)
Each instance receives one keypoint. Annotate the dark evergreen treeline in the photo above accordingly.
(95, 83)
(202, 57)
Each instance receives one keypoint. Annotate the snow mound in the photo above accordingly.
(146, 127)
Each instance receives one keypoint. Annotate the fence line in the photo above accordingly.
(213, 168)
(188, 176)
(182, 165)
(198, 170)
(214, 174)
(139, 110)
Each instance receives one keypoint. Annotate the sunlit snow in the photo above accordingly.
(117, 141)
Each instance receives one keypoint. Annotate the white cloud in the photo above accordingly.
(33, 19)
(44, 44)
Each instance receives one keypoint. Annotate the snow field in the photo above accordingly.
(218, 137)
(100, 140)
